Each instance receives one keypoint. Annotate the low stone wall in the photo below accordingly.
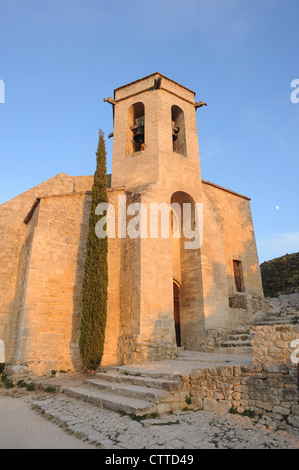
(273, 344)
(268, 387)
(220, 388)
(270, 390)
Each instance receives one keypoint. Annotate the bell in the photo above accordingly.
(175, 131)
(138, 130)
(139, 135)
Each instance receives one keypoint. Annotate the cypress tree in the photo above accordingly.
(95, 282)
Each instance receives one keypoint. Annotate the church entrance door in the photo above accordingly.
(176, 302)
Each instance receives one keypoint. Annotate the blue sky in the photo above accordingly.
(60, 58)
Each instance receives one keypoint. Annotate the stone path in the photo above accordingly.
(181, 430)
(22, 428)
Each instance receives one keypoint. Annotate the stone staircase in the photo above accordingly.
(237, 342)
(289, 320)
(133, 393)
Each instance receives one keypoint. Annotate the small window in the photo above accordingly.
(238, 273)
(178, 130)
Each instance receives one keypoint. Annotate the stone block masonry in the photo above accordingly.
(273, 343)
(270, 390)
(15, 250)
(268, 387)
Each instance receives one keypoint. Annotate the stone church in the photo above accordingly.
(161, 296)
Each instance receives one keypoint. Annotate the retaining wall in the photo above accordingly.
(268, 387)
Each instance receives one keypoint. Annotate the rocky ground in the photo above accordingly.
(284, 307)
(75, 424)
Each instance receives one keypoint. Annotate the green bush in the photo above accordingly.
(248, 413)
(50, 389)
(281, 275)
(21, 384)
(188, 400)
(5, 381)
(30, 387)
(233, 410)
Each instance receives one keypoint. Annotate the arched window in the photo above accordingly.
(178, 130)
(135, 128)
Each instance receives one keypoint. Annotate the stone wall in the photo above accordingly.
(13, 247)
(272, 344)
(43, 332)
(268, 387)
(235, 220)
(270, 390)
(129, 294)
(50, 309)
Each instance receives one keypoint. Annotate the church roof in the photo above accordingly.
(225, 189)
(152, 75)
(77, 193)
(37, 200)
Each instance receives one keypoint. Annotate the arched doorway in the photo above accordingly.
(176, 308)
(186, 274)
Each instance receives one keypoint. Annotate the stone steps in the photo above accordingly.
(132, 371)
(235, 344)
(113, 402)
(238, 342)
(131, 392)
(162, 384)
(279, 320)
(240, 338)
(228, 348)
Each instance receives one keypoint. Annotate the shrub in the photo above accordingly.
(5, 381)
(233, 410)
(188, 400)
(95, 283)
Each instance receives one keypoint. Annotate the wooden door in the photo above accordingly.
(176, 302)
(238, 275)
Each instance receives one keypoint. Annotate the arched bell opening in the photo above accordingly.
(178, 130)
(136, 128)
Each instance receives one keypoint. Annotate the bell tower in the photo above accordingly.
(155, 133)
(156, 158)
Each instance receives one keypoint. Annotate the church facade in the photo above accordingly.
(164, 292)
